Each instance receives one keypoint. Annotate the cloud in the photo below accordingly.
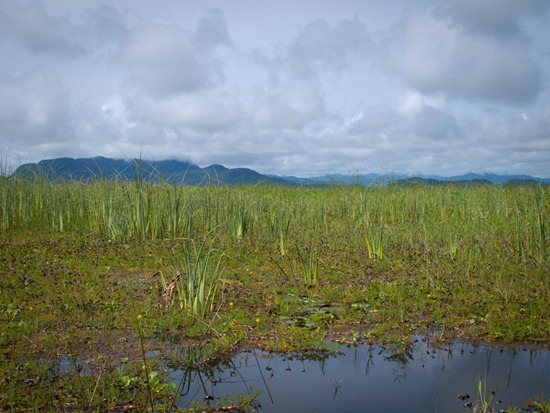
(162, 60)
(40, 32)
(105, 26)
(520, 132)
(166, 60)
(34, 107)
(433, 54)
(319, 44)
(453, 86)
(377, 124)
(286, 106)
(435, 124)
(292, 97)
(410, 104)
(498, 17)
(443, 142)
(208, 111)
(212, 32)
(515, 143)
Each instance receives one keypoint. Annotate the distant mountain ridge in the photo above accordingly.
(170, 171)
(187, 173)
(374, 179)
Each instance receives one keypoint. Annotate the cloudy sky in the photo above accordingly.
(285, 87)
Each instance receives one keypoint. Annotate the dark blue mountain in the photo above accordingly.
(187, 173)
(170, 171)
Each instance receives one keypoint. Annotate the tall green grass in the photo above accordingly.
(468, 261)
(195, 285)
(468, 224)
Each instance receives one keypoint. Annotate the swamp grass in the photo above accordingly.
(80, 262)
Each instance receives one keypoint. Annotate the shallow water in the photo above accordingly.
(374, 378)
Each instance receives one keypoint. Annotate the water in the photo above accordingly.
(375, 379)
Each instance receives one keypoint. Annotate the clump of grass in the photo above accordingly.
(194, 288)
(373, 241)
(310, 265)
(539, 404)
(484, 398)
(485, 401)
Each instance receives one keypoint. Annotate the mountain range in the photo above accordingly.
(187, 173)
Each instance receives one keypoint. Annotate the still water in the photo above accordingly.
(376, 378)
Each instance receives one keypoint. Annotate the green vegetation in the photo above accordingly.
(486, 401)
(196, 284)
(274, 267)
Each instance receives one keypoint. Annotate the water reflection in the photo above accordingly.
(415, 378)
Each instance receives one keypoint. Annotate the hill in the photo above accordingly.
(187, 173)
(170, 171)
(373, 179)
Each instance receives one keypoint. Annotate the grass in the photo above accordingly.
(81, 261)
(310, 265)
(195, 283)
(486, 401)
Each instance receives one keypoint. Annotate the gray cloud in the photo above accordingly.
(40, 32)
(433, 54)
(442, 142)
(521, 133)
(34, 107)
(212, 32)
(498, 17)
(330, 47)
(163, 60)
(435, 124)
(106, 26)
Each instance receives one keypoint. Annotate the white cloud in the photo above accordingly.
(286, 106)
(410, 104)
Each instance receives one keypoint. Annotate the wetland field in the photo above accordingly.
(109, 288)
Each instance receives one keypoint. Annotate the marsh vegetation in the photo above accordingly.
(111, 277)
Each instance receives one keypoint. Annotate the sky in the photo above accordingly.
(286, 87)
